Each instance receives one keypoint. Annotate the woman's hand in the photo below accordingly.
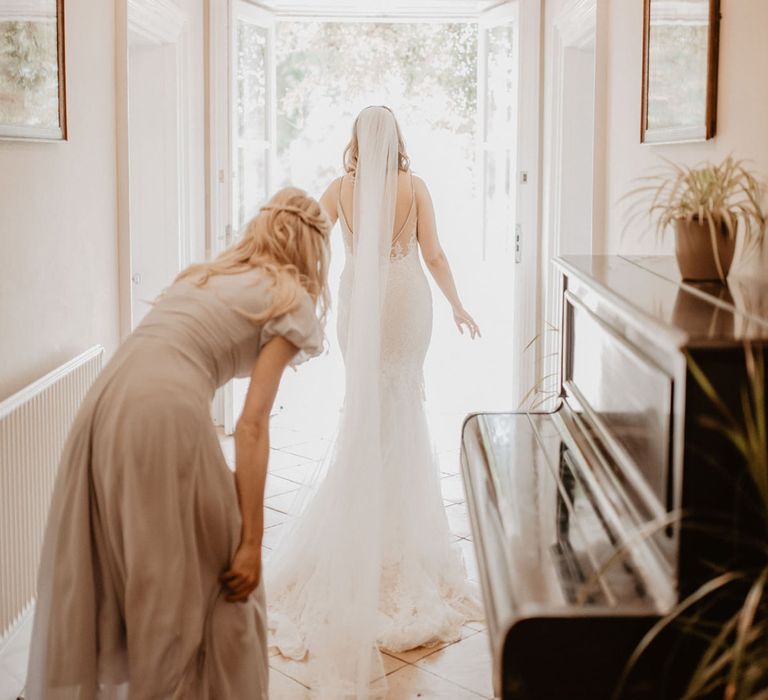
(244, 575)
(462, 318)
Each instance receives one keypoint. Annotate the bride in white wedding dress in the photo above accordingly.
(367, 564)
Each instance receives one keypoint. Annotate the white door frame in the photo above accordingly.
(156, 22)
(527, 299)
(244, 10)
(528, 323)
(217, 136)
(218, 152)
(506, 12)
(221, 143)
(575, 26)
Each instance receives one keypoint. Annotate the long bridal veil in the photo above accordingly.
(327, 567)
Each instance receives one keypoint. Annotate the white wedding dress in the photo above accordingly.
(424, 595)
(420, 593)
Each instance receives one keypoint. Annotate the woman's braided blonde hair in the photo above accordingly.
(288, 240)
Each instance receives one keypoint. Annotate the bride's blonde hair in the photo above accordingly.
(352, 150)
(288, 240)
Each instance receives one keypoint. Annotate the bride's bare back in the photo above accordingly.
(414, 221)
(414, 213)
(403, 202)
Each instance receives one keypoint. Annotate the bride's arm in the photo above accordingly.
(330, 199)
(435, 259)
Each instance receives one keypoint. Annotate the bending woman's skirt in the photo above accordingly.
(143, 521)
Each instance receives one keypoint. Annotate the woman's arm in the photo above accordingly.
(251, 457)
(330, 199)
(434, 257)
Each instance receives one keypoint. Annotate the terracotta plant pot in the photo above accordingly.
(696, 254)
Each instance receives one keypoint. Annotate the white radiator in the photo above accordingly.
(33, 428)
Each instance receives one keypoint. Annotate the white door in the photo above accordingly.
(508, 95)
(253, 114)
(498, 72)
(252, 141)
(155, 217)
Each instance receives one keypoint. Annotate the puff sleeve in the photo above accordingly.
(301, 327)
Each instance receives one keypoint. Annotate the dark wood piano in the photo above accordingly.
(581, 516)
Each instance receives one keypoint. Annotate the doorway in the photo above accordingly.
(572, 193)
(158, 179)
(454, 83)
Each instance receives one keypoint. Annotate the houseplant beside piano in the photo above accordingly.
(706, 206)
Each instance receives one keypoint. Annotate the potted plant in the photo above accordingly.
(705, 205)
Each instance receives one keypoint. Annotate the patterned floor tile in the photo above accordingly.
(458, 519)
(283, 688)
(467, 664)
(412, 682)
(277, 486)
(314, 449)
(453, 488)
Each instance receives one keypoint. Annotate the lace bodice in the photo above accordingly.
(407, 313)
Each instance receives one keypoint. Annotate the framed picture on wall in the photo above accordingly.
(32, 77)
(680, 52)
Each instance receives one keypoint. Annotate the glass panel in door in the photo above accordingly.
(500, 70)
(251, 119)
(251, 133)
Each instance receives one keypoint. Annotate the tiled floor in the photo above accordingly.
(457, 671)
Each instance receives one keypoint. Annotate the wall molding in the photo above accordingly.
(378, 8)
(155, 21)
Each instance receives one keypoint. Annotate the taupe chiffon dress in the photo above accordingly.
(144, 516)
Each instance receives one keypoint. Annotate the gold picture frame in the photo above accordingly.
(33, 95)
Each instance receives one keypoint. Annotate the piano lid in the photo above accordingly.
(688, 313)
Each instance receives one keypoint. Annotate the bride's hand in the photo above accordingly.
(462, 318)
(244, 575)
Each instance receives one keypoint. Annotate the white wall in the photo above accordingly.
(58, 267)
(578, 102)
(742, 114)
(58, 206)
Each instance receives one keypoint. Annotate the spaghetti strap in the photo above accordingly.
(408, 216)
(340, 208)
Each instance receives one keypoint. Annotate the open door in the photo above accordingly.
(508, 128)
(498, 73)
(251, 139)
(158, 184)
(252, 109)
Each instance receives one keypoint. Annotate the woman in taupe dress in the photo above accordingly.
(150, 579)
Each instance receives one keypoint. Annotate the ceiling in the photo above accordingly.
(380, 8)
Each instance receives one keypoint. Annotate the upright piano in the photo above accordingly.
(587, 520)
